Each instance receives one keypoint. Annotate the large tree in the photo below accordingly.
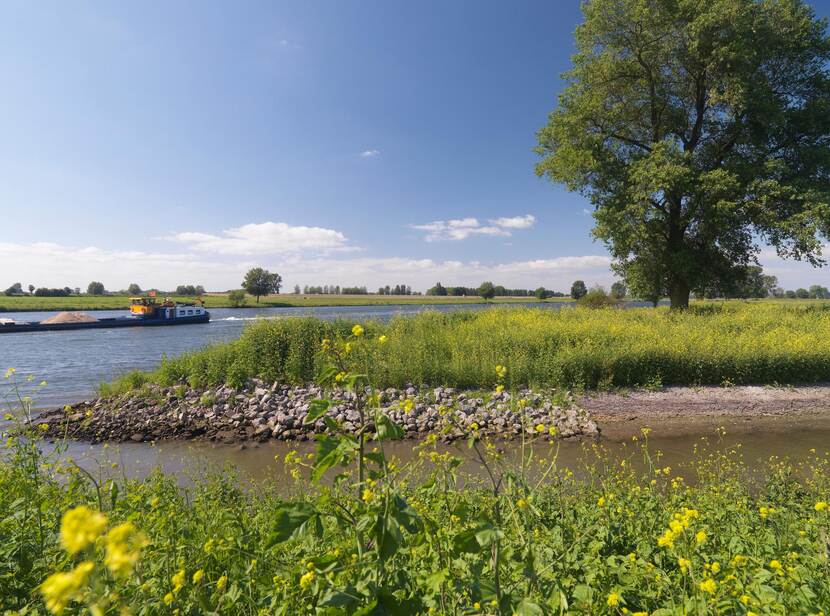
(699, 131)
(260, 282)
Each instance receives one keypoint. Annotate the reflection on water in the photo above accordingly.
(262, 462)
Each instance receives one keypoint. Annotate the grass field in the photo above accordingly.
(721, 344)
(220, 300)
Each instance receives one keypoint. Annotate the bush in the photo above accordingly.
(237, 298)
(741, 343)
(598, 298)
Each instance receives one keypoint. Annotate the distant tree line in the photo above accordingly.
(189, 289)
(498, 291)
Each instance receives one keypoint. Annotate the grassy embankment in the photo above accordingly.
(762, 343)
(709, 537)
(220, 300)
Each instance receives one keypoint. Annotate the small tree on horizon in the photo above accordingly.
(259, 282)
(95, 288)
(134, 289)
(541, 293)
(31, 288)
(487, 290)
(578, 289)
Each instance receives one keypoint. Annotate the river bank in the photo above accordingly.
(220, 300)
(263, 412)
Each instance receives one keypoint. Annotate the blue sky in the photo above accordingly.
(333, 142)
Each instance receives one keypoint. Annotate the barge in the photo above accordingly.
(144, 312)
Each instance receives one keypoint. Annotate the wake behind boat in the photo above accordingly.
(144, 311)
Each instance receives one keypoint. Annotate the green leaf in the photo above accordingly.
(388, 429)
(289, 521)
(331, 451)
(316, 409)
(526, 607)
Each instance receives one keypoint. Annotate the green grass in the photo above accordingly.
(731, 343)
(220, 300)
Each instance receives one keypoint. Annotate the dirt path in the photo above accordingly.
(709, 402)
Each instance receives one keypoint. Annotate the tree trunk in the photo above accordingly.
(679, 295)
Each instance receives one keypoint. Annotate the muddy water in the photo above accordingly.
(760, 438)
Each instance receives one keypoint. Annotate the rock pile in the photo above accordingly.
(275, 411)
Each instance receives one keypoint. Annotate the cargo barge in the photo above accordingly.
(144, 312)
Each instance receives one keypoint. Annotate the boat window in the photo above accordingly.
(189, 312)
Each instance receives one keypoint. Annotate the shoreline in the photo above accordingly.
(121, 302)
(275, 412)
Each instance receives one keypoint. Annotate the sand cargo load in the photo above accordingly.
(144, 312)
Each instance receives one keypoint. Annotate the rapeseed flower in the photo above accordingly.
(124, 544)
(61, 588)
(222, 583)
(357, 330)
(197, 577)
(700, 537)
(80, 527)
(307, 578)
(613, 599)
(820, 506)
(382, 339)
(177, 580)
(709, 586)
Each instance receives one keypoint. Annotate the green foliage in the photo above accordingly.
(259, 282)
(696, 129)
(597, 298)
(134, 289)
(578, 289)
(237, 298)
(95, 288)
(487, 290)
(15, 289)
(360, 533)
(762, 342)
(618, 290)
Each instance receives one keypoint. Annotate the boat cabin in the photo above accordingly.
(149, 307)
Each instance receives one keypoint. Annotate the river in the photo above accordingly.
(73, 363)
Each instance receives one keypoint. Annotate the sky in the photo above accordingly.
(350, 142)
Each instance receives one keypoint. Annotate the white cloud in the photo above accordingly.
(462, 228)
(56, 265)
(515, 222)
(369, 153)
(263, 239)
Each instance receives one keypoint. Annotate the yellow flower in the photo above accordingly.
(521, 503)
(340, 376)
(382, 339)
(408, 405)
(168, 598)
(368, 496)
(540, 428)
(476, 605)
(709, 586)
(124, 544)
(10, 372)
(499, 389)
(700, 537)
(61, 588)
(222, 583)
(501, 371)
(744, 599)
(43, 427)
(357, 330)
(474, 426)
(684, 564)
(821, 506)
(775, 564)
(613, 600)
(80, 527)
(197, 577)
(177, 580)
(715, 567)
(307, 578)
(552, 430)
(601, 501)
(347, 348)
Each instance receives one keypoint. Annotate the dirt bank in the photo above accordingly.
(708, 402)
